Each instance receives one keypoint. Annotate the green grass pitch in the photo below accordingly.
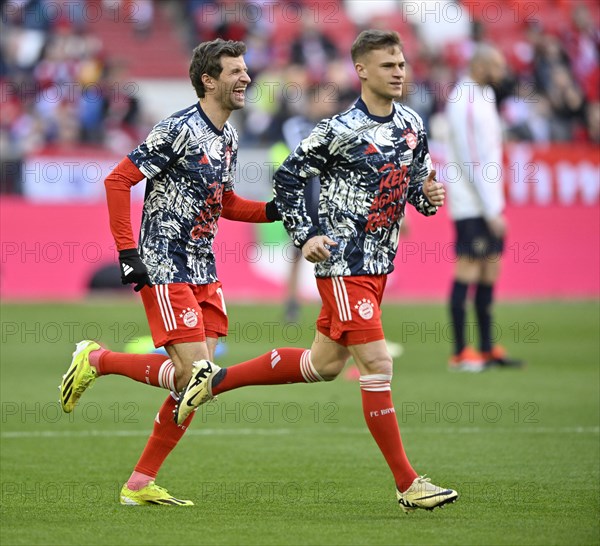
(295, 464)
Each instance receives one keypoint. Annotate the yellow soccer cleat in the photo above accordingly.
(423, 494)
(198, 391)
(151, 494)
(79, 376)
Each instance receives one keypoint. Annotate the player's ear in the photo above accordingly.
(208, 82)
(361, 70)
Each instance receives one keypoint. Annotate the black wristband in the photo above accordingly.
(271, 211)
(129, 253)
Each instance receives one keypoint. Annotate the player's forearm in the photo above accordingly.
(484, 165)
(118, 196)
(418, 200)
(245, 210)
(297, 223)
(290, 201)
(415, 195)
(492, 204)
(489, 193)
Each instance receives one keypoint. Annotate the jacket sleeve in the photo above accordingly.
(310, 158)
(163, 147)
(243, 210)
(419, 171)
(118, 196)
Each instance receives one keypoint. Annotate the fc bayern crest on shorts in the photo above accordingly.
(190, 317)
(365, 308)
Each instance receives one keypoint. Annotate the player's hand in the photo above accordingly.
(433, 190)
(133, 269)
(497, 225)
(316, 249)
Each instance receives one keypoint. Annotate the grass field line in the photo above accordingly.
(16, 434)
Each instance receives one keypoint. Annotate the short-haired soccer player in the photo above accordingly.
(371, 160)
(189, 161)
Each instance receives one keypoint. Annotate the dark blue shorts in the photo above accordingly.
(474, 239)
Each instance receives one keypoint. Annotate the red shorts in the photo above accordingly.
(183, 313)
(351, 314)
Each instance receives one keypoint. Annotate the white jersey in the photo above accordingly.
(474, 170)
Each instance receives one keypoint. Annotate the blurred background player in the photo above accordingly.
(371, 159)
(477, 205)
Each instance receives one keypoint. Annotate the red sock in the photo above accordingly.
(153, 369)
(380, 416)
(287, 365)
(165, 436)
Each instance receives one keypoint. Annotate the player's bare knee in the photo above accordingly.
(182, 377)
(329, 370)
(329, 375)
(378, 365)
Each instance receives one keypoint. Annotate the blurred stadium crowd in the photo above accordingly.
(60, 87)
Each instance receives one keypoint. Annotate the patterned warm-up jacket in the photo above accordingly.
(188, 164)
(369, 167)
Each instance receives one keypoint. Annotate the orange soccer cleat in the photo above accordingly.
(468, 360)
